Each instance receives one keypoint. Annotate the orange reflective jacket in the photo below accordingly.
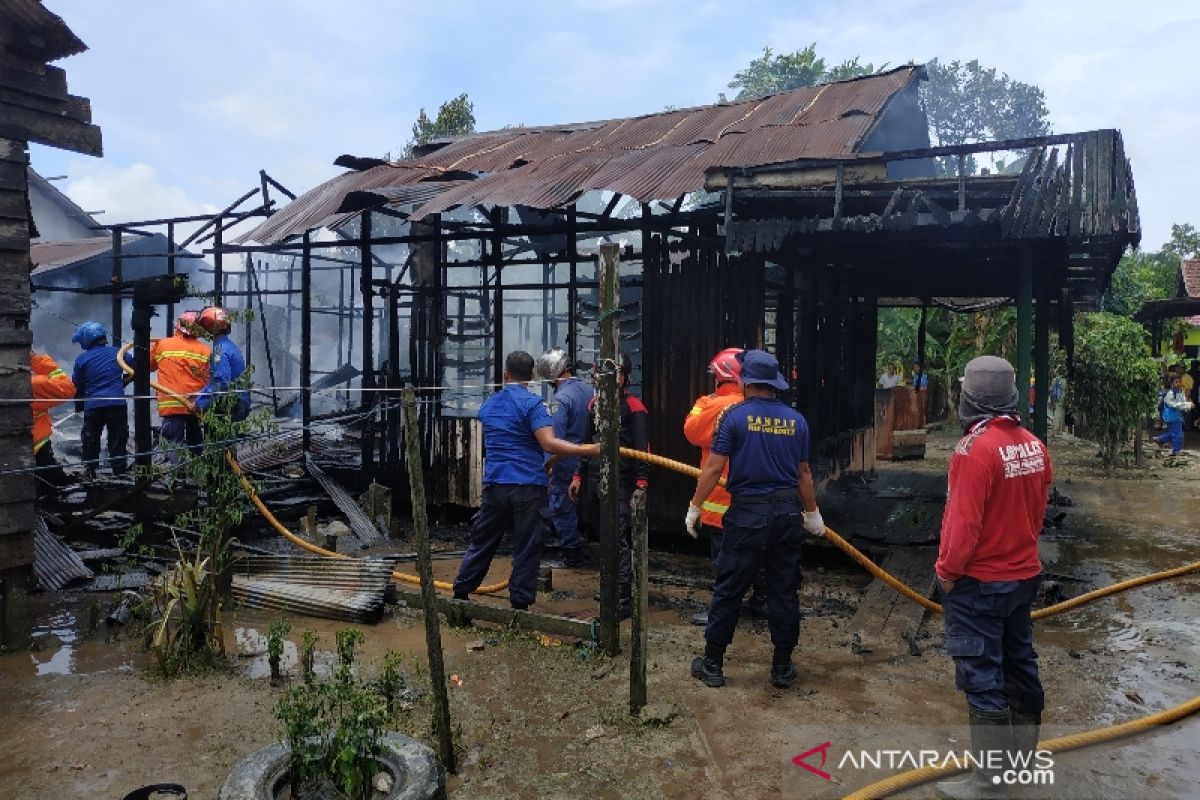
(182, 366)
(51, 386)
(699, 427)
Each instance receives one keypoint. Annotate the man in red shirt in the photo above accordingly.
(989, 572)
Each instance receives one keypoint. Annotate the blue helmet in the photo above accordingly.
(88, 334)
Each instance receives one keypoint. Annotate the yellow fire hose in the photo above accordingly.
(916, 777)
(491, 588)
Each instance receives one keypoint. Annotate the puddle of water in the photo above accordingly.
(58, 633)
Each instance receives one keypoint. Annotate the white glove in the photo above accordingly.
(691, 521)
(814, 524)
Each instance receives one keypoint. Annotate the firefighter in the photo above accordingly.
(633, 476)
(765, 444)
(181, 361)
(225, 366)
(569, 412)
(100, 389)
(517, 433)
(988, 570)
(51, 386)
(698, 428)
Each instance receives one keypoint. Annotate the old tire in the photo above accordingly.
(419, 775)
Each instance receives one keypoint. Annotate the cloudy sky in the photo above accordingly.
(195, 97)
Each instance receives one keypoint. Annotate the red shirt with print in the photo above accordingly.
(996, 497)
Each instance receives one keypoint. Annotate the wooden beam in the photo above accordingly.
(821, 176)
(509, 617)
(33, 126)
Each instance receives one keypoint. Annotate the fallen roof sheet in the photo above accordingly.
(346, 589)
(654, 156)
(54, 564)
(359, 522)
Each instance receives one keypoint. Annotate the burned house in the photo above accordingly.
(782, 222)
(34, 107)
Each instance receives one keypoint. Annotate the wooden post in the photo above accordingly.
(1041, 363)
(365, 277)
(640, 623)
(1024, 335)
(608, 429)
(118, 276)
(306, 341)
(433, 633)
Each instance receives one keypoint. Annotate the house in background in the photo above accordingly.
(1187, 341)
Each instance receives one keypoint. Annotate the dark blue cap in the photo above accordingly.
(759, 366)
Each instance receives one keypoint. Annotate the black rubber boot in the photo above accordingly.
(709, 667)
(1025, 730)
(990, 733)
(783, 672)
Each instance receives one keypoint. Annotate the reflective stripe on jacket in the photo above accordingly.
(699, 427)
(182, 366)
(51, 386)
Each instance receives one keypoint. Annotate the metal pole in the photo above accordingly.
(393, 375)
(608, 428)
(573, 291)
(306, 340)
(498, 298)
(171, 272)
(218, 264)
(433, 632)
(117, 277)
(641, 621)
(1024, 334)
(142, 312)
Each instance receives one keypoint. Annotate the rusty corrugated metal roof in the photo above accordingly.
(654, 156)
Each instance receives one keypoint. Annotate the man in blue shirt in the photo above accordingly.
(569, 413)
(225, 366)
(100, 385)
(919, 379)
(766, 445)
(517, 432)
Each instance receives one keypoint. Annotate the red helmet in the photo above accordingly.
(185, 325)
(725, 365)
(215, 320)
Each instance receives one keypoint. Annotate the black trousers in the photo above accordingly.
(506, 508)
(49, 476)
(115, 421)
(760, 533)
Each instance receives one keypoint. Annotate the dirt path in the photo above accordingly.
(546, 719)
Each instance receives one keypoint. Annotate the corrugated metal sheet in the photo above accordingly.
(655, 156)
(360, 523)
(54, 564)
(346, 589)
(51, 255)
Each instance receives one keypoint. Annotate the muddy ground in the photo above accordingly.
(541, 717)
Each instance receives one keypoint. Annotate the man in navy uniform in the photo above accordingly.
(572, 399)
(517, 432)
(766, 445)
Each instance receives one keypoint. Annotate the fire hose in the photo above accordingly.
(272, 520)
(916, 777)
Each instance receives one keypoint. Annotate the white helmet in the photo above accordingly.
(552, 364)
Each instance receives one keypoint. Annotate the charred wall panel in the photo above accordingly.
(696, 303)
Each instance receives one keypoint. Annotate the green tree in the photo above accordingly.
(967, 102)
(455, 117)
(1115, 380)
(1154, 275)
(771, 73)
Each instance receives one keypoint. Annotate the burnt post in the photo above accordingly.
(170, 272)
(608, 428)
(142, 314)
(365, 277)
(117, 278)
(1041, 362)
(433, 632)
(1024, 335)
(306, 340)
(640, 622)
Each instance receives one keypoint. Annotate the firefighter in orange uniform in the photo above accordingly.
(698, 428)
(181, 361)
(51, 387)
